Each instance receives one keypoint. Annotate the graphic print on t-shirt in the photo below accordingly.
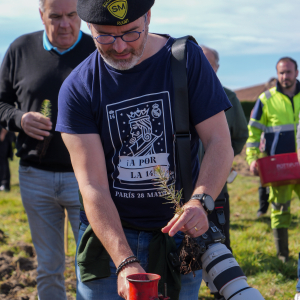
(141, 132)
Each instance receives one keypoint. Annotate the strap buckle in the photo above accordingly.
(219, 208)
(181, 135)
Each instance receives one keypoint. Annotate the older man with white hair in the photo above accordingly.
(32, 71)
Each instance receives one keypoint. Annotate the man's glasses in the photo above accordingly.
(107, 39)
(131, 36)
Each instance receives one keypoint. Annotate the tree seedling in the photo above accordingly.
(42, 146)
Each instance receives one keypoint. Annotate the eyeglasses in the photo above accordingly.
(107, 39)
(131, 36)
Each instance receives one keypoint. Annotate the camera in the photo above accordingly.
(221, 272)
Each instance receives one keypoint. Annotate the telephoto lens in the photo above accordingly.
(222, 274)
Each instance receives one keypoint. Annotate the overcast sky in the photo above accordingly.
(250, 36)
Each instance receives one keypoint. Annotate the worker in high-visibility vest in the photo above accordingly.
(276, 113)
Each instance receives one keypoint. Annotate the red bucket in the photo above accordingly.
(143, 286)
(280, 169)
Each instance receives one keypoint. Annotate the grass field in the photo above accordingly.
(251, 238)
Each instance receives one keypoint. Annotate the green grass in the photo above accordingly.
(251, 238)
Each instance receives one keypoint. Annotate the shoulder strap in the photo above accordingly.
(181, 112)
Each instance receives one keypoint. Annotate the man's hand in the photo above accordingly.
(192, 222)
(298, 154)
(3, 134)
(123, 284)
(36, 125)
(253, 168)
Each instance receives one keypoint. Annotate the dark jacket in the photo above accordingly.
(29, 74)
(237, 124)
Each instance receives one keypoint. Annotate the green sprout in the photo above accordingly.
(46, 108)
(170, 194)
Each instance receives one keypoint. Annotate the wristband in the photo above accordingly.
(123, 264)
(131, 256)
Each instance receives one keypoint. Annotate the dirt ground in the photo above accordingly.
(18, 273)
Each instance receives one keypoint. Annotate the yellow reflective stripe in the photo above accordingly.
(280, 128)
(281, 206)
(257, 125)
(256, 144)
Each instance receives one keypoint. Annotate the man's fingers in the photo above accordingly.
(253, 168)
(40, 124)
(198, 229)
(44, 120)
(32, 131)
(36, 125)
(36, 133)
(167, 228)
(181, 222)
(36, 120)
(193, 222)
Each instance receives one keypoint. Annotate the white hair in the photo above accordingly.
(42, 5)
(213, 51)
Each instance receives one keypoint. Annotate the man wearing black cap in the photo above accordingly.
(116, 118)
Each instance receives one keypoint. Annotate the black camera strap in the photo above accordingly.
(182, 130)
(181, 112)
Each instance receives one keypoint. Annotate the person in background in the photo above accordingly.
(6, 151)
(33, 69)
(238, 132)
(276, 113)
(116, 114)
(297, 296)
(263, 192)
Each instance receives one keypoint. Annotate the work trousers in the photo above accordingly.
(45, 195)
(280, 199)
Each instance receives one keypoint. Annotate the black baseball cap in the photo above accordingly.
(112, 12)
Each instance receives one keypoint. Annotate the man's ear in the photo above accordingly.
(42, 16)
(149, 16)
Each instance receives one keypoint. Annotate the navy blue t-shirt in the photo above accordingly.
(133, 112)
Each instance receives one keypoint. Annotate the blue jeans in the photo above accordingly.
(106, 288)
(45, 195)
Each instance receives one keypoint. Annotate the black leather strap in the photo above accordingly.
(181, 108)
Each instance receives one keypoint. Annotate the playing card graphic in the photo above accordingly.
(141, 131)
(142, 135)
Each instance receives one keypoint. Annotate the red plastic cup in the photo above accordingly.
(143, 286)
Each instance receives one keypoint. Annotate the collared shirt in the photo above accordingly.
(279, 89)
(48, 46)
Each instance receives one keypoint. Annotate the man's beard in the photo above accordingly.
(125, 64)
(288, 84)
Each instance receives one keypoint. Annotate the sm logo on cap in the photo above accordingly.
(118, 8)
